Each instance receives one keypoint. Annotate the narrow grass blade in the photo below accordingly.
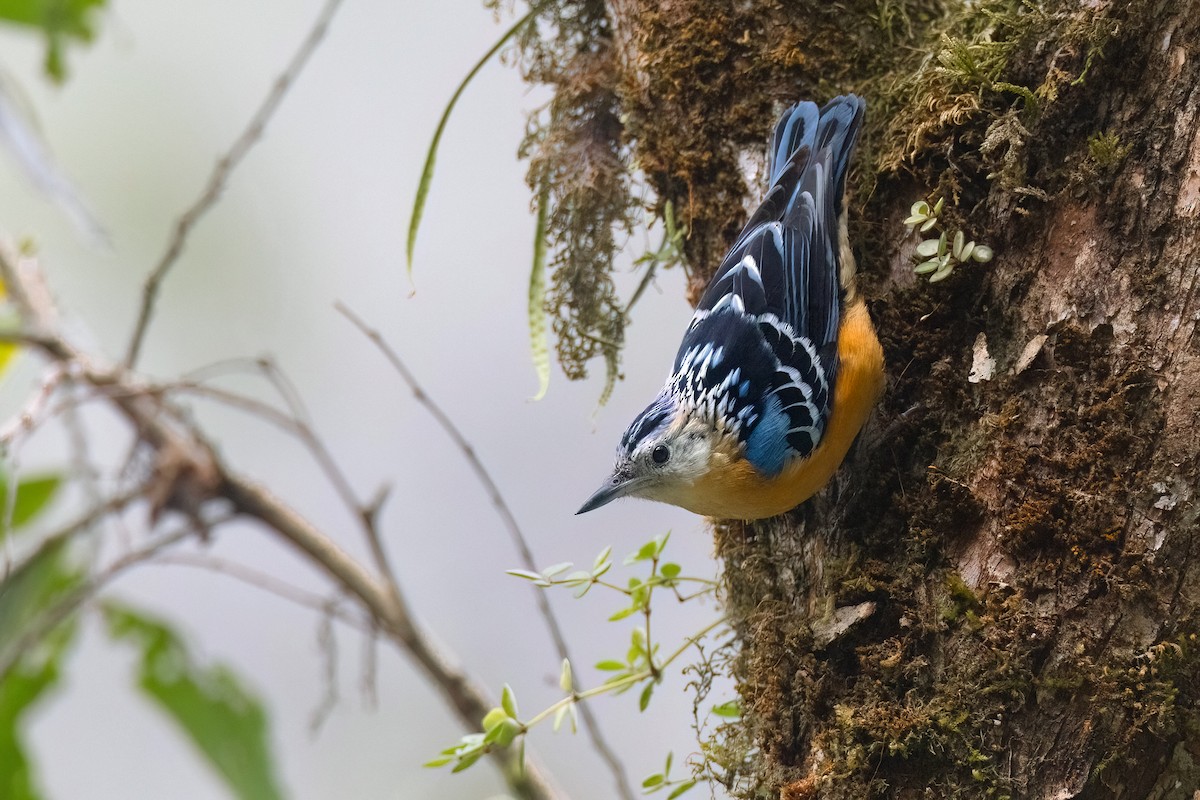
(431, 155)
(537, 296)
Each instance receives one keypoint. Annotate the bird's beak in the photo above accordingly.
(619, 484)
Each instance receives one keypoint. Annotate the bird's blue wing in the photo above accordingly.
(793, 236)
(772, 310)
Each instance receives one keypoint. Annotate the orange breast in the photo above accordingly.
(733, 489)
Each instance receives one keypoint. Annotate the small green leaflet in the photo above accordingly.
(23, 686)
(32, 587)
(59, 20)
(32, 495)
(211, 705)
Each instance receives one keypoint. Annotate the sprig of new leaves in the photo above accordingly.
(641, 665)
(937, 257)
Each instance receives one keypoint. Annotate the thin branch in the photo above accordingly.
(300, 425)
(31, 414)
(113, 505)
(390, 611)
(327, 645)
(267, 583)
(187, 473)
(223, 169)
(510, 523)
(250, 405)
(365, 513)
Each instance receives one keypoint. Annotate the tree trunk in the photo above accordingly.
(998, 595)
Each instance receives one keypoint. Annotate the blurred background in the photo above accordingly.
(316, 214)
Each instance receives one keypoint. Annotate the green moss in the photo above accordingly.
(1106, 150)
(578, 152)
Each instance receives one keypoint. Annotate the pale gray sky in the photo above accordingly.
(318, 213)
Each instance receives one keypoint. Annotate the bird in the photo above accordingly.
(780, 366)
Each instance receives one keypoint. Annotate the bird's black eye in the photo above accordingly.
(660, 454)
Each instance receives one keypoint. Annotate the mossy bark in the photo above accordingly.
(998, 596)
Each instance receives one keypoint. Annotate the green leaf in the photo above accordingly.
(557, 569)
(942, 273)
(982, 253)
(467, 760)
(32, 587)
(681, 788)
(670, 570)
(644, 700)
(927, 248)
(603, 562)
(32, 495)
(493, 718)
(611, 666)
(508, 701)
(576, 578)
(644, 553)
(623, 613)
(27, 683)
(957, 247)
(431, 156)
(59, 21)
(653, 781)
(210, 704)
(729, 710)
(502, 733)
(537, 295)
(526, 574)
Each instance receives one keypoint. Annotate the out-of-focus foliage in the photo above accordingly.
(30, 497)
(25, 594)
(21, 687)
(59, 20)
(210, 704)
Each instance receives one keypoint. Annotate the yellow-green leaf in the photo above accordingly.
(431, 156)
(211, 705)
(537, 295)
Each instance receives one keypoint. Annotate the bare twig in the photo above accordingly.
(327, 643)
(328, 606)
(188, 473)
(106, 508)
(366, 513)
(510, 523)
(223, 169)
(241, 402)
(298, 423)
(393, 616)
(31, 414)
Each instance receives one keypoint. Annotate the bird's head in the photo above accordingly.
(661, 456)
